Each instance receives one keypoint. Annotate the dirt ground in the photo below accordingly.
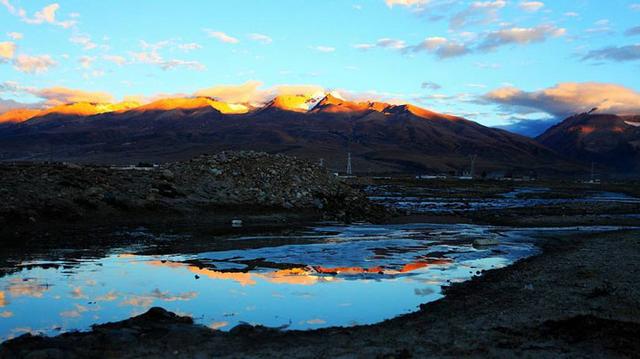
(579, 298)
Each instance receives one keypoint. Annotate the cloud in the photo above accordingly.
(478, 12)
(615, 53)
(519, 35)
(251, 92)
(189, 46)
(172, 64)
(571, 14)
(45, 16)
(86, 61)
(15, 35)
(84, 41)
(7, 50)
(383, 43)
(261, 38)
(221, 36)
(407, 3)
(34, 64)
(151, 56)
(53, 96)
(567, 98)
(61, 95)
(430, 85)
(633, 31)
(118, 60)
(635, 7)
(442, 47)
(531, 6)
(6, 105)
(324, 48)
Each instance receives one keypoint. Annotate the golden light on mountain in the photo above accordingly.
(193, 104)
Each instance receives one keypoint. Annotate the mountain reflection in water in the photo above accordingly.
(344, 276)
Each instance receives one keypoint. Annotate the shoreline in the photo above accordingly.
(568, 301)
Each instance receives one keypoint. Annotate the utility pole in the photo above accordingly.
(473, 165)
(349, 168)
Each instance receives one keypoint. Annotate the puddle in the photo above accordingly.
(344, 276)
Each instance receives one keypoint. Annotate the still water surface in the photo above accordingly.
(341, 276)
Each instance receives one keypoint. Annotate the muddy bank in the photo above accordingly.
(580, 298)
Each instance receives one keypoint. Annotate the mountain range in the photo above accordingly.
(609, 140)
(382, 137)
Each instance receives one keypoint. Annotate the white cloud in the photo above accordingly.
(7, 50)
(571, 14)
(324, 48)
(150, 55)
(383, 43)
(221, 36)
(442, 47)
(408, 3)
(84, 41)
(531, 6)
(118, 60)
(189, 46)
(34, 64)
(15, 35)
(635, 7)
(477, 12)
(261, 38)
(518, 35)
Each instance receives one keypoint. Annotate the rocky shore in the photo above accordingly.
(569, 302)
(203, 188)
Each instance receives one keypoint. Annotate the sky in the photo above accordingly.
(495, 62)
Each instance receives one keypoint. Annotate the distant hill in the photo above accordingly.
(529, 128)
(611, 140)
(381, 137)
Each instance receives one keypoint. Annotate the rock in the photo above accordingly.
(167, 174)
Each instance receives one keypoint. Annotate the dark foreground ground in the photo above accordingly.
(580, 298)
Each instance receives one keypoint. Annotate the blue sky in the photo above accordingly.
(491, 61)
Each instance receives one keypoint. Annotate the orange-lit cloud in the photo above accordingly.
(62, 95)
(45, 16)
(19, 288)
(7, 50)
(109, 297)
(157, 294)
(74, 313)
(251, 92)
(568, 98)
(218, 325)
(3, 300)
(6, 314)
(34, 64)
(77, 293)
